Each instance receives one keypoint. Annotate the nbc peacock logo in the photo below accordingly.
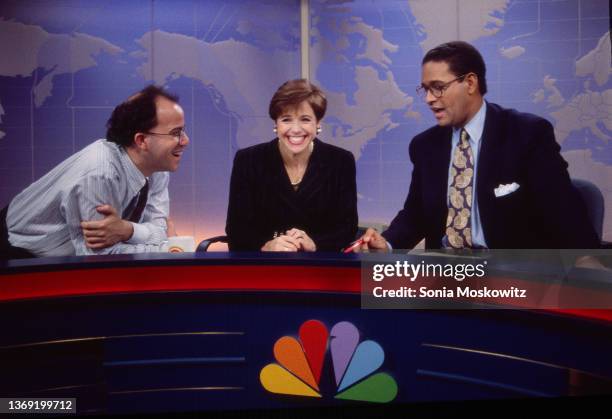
(300, 364)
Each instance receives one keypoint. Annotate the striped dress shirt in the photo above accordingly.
(45, 218)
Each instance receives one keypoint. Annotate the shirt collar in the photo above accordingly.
(135, 178)
(475, 127)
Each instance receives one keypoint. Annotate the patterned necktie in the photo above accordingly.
(458, 225)
(140, 204)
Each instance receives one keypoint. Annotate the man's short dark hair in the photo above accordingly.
(462, 58)
(136, 114)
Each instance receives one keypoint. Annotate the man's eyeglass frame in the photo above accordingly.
(437, 91)
(178, 137)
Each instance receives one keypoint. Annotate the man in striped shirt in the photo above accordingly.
(110, 197)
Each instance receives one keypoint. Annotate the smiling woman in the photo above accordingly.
(294, 193)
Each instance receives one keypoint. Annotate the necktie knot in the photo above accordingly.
(464, 139)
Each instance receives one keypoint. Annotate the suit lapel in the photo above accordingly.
(492, 139)
(438, 176)
(279, 177)
(295, 200)
(314, 174)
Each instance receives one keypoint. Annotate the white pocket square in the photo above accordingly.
(503, 190)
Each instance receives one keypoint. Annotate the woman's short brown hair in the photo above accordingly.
(294, 92)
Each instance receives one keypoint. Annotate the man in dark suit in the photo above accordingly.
(485, 176)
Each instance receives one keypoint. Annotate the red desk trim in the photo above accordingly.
(178, 278)
(80, 282)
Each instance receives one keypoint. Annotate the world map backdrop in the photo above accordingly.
(66, 64)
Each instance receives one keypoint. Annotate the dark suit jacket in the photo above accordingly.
(545, 212)
(262, 200)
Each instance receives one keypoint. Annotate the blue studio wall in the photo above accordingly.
(66, 64)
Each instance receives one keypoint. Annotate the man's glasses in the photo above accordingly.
(178, 134)
(436, 89)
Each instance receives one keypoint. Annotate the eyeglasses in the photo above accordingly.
(178, 134)
(437, 89)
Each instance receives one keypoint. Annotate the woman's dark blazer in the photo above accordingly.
(262, 200)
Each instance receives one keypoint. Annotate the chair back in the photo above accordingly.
(204, 244)
(594, 202)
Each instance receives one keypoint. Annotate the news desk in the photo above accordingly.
(185, 332)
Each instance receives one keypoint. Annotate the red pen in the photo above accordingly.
(353, 246)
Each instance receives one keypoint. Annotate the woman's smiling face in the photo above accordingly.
(296, 128)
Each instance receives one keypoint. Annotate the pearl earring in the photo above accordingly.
(274, 130)
(319, 130)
